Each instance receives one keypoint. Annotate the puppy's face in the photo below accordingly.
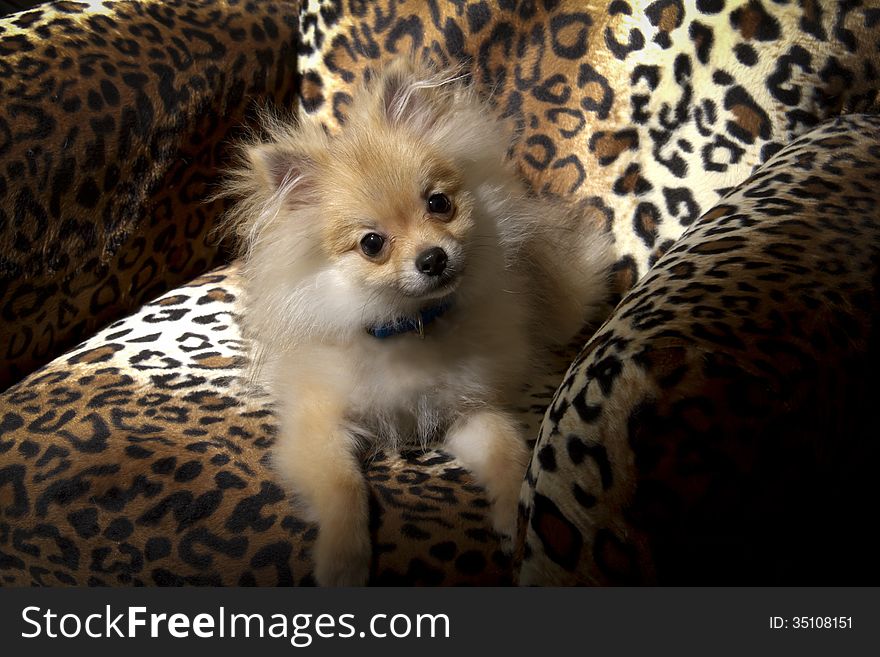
(383, 215)
(396, 216)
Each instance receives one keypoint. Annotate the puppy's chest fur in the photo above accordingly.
(406, 388)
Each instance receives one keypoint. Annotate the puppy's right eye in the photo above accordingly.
(372, 243)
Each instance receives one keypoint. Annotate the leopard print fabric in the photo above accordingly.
(136, 459)
(645, 112)
(113, 120)
(721, 427)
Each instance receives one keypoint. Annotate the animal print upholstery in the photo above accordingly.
(113, 120)
(649, 111)
(690, 441)
(719, 428)
(135, 459)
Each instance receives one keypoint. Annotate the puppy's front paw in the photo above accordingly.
(504, 516)
(489, 444)
(342, 559)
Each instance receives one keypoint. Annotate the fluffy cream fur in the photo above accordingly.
(522, 273)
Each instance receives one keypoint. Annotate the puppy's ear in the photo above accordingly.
(281, 168)
(279, 171)
(414, 95)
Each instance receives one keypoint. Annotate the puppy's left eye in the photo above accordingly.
(439, 204)
(372, 243)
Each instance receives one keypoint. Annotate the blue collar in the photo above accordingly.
(408, 324)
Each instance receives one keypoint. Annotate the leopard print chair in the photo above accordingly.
(717, 429)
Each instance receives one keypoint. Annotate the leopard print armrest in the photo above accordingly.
(719, 429)
(135, 460)
(113, 118)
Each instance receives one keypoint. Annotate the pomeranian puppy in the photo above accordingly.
(399, 283)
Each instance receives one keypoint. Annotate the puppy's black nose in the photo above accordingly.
(431, 261)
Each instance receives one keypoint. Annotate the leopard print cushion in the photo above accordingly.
(647, 111)
(113, 121)
(136, 459)
(721, 427)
